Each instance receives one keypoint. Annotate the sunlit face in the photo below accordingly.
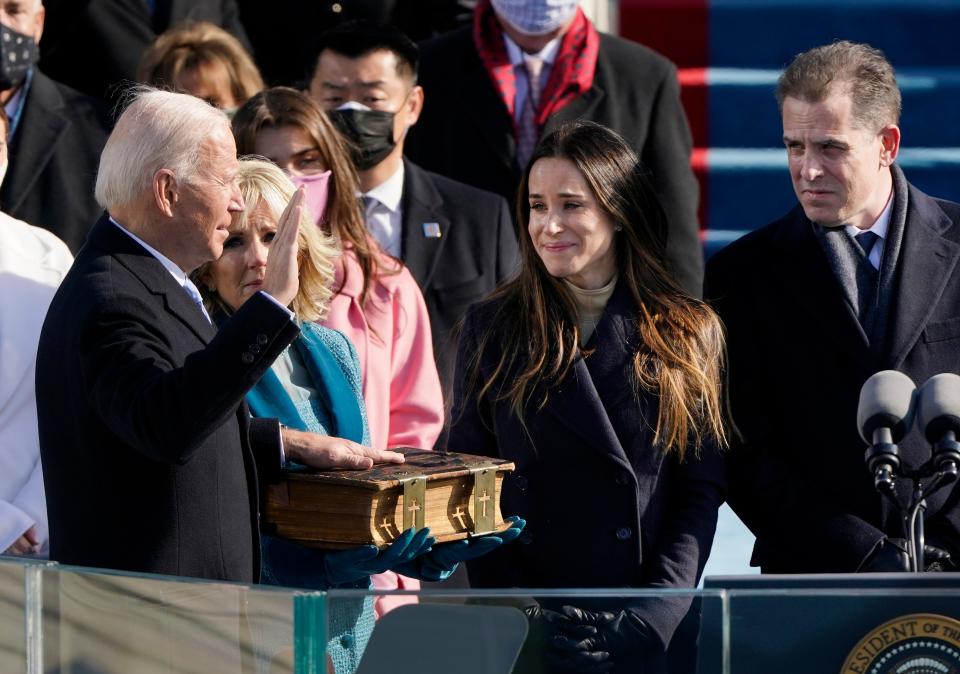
(211, 83)
(292, 149)
(839, 169)
(572, 235)
(23, 16)
(239, 272)
(372, 80)
(203, 210)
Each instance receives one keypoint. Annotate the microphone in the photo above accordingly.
(938, 413)
(884, 415)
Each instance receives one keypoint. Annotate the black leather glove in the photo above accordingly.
(547, 628)
(598, 639)
(937, 557)
(890, 555)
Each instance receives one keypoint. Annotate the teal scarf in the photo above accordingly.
(268, 398)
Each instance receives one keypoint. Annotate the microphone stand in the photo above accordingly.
(883, 459)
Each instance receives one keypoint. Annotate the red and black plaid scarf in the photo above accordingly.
(570, 76)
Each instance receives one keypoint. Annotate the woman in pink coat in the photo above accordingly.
(391, 333)
(377, 304)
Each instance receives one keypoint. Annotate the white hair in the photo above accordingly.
(158, 130)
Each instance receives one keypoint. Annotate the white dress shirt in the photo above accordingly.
(383, 218)
(880, 229)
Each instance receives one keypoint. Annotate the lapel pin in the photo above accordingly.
(431, 230)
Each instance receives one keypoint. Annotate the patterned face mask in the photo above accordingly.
(535, 17)
(18, 53)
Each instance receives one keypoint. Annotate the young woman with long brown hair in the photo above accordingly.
(600, 378)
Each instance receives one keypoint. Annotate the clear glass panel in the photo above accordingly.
(13, 616)
(490, 631)
(105, 622)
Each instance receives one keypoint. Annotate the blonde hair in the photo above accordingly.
(263, 182)
(201, 47)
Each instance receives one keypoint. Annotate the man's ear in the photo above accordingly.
(889, 144)
(414, 105)
(165, 191)
(38, 20)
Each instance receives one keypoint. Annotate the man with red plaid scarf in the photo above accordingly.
(527, 66)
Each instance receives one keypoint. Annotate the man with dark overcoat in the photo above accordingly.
(55, 137)
(151, 461)
(860, 276)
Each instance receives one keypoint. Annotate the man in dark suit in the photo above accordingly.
(150, 459)
(96, 45)
(483, 113)
(457, 241)
(56, 135)
(862, 276)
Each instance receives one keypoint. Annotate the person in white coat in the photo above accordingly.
(32, 263)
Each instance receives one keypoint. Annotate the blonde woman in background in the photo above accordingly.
(200, 59)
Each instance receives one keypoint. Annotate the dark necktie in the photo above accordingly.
(866, 241)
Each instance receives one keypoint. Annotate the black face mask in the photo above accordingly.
(18, 53)
(370, 131)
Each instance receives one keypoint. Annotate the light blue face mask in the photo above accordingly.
(535, 17)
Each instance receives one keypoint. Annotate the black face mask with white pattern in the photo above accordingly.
(18, 53)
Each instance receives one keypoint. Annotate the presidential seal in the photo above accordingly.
(920, 643)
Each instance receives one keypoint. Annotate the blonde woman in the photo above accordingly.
(315, 386)
(203, 60)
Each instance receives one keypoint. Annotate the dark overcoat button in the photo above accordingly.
(521, 482)
(262, 339)
(624, 533)
(247, 357)
(623, 479)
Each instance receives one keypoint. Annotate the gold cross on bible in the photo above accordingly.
(459, 516)
(413, 509)
(483, 502)
(387, 525)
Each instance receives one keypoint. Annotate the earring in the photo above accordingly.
(618, 228)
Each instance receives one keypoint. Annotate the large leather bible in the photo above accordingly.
(455, 495)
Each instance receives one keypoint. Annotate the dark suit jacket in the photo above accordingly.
(143, 429)
(603, 507)
(93, 45)
(54, 156)
(465, 132)
(476, 250)
(798, 358)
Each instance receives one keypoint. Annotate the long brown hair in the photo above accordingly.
(681, 353)
(283, 106)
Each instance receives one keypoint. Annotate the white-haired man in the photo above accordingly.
(150, 459)
(56, 133)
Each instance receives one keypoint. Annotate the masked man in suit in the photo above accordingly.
(524, 68)
(56, 133)
(150, 458)
(861, 276)
(457, 241)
